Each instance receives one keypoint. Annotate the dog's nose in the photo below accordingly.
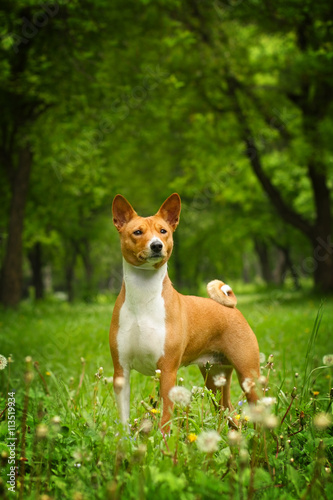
(156, 246)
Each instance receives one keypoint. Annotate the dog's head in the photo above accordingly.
(146, 241)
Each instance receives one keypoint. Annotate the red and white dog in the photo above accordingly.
(155, 327)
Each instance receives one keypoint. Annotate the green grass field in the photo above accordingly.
(84, 453)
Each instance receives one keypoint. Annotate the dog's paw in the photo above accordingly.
(222, 293)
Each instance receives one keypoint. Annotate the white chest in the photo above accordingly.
(142, 330)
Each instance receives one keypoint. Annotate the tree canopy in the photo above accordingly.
(228, 103)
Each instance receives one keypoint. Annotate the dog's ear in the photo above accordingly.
(170, 210)
(122, 211)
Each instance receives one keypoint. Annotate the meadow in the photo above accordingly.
(69, 443)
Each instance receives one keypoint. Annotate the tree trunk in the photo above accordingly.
(285, 265)
(85, 253)
(321, 229)
(35, 259)
(70, 273)
(322, 262)
(263, 254)
(246, 268)
(12, 267)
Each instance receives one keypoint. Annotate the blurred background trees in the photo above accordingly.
(228, 103)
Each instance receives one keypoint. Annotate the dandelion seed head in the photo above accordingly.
(328, 360)
(267, 401)
(196, 390)
(234, 438)
(247, 385)
(146, 426)
(255, 413)
(270, 421)
(220, 380)
(42, 431)
(180, 395)
(322, 420)
(262, 357)
(3, 362)
(207, 441)
(28, 377)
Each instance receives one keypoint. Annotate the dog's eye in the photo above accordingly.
(137, 232)
(163, 231)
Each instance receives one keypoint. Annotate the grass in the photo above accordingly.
(70, 443)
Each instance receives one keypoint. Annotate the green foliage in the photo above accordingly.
(135, 99)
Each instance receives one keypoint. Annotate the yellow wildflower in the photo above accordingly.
(192, 437)
(154, 410)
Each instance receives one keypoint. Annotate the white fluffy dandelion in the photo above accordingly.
(146, 426)
(180, 395)
(322, 421)
(262, 380)
(262, 357)
(234, 438)
(255, 413)
(248, 384)
(3, 362)
(328, 360)
(42, 431)
(270, 421)
(197, 390)
(208, 441)
(268, 401)
(220, 380)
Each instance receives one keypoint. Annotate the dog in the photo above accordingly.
(154, 327)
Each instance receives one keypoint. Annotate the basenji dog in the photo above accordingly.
(154, 327)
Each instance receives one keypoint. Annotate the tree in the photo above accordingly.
(49, 50)
(256, 58)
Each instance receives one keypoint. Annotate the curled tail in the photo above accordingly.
(222, 293)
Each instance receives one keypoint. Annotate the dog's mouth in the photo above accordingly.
(151, 257)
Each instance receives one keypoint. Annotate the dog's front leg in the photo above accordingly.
(168, 381)
(121, 384)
